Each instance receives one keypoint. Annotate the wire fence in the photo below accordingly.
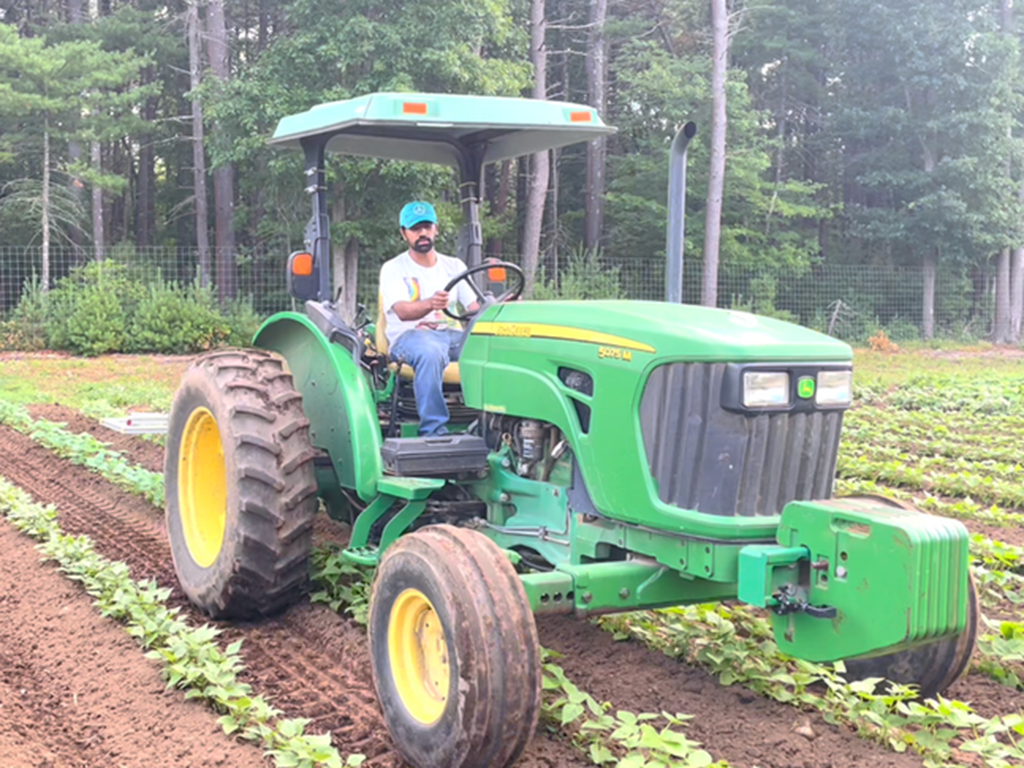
(848, 301)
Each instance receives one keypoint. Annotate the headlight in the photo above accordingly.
(834, 388)
(765, 389)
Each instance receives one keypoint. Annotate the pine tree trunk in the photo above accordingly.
(716, 175)
(498, 194)
(931, 263)
(540, 165)
(1015, 268)
(44, 279)
(75, 233)
(1016, 294)
(99, 237)
(1001, 324)
(596, 150)
(198, 144)
(223, 176)
(344, 261)
(931, 268)
(145, 205)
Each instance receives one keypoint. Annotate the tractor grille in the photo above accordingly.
(724, 463)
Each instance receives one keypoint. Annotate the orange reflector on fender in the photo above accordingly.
(497, 274)
(302, 264)
(581, 117)
(414, 108)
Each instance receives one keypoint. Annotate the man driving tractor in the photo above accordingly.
(413, 301)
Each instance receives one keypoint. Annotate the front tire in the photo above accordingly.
(454, 649)
(932, 668)
(241, 491)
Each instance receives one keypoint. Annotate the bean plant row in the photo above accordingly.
(952, 455)
(192, 659)
(622, 739)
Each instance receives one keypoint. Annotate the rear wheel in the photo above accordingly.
(455, 654)
(241, 491)
(934, 667)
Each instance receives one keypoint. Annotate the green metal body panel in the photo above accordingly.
(425, 126)
(896, 578)
(510, 365)
(623, 585)
(336, 397)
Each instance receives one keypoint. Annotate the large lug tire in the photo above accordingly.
(454, 648)
(241, 491)
(934, 667)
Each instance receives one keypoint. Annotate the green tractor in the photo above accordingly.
(604, 456)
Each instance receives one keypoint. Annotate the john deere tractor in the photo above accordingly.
(603, 456)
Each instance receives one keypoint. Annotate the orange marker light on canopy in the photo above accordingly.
(414, 108)
(302, 264)
(581, 117)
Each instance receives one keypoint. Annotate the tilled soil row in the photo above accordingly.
(312, 663)
(76, 692)
(309, 662)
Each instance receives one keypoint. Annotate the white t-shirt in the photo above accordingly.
(402, 279)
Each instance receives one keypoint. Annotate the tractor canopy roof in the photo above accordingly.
(442, 128)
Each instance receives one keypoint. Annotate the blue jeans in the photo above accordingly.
(428, 352)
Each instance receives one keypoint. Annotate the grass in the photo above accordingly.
(113, 384)
(971, 400)
(884, 370)
(102, 386)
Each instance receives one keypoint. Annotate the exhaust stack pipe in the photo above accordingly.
(677, 214)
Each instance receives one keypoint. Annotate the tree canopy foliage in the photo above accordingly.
(858, 132)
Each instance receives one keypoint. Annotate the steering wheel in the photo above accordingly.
(486, 299)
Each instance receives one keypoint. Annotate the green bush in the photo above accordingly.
(763, 292)
(243, 322)
(174, 320)
(25, 329)
(91, 308)
(97, 324)
(585, 277)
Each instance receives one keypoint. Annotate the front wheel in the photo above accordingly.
(933, 667)
(454, 648)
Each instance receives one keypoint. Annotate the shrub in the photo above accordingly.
(585, 277)
(175, 320)
(243, 322)
(763, 292)
(102, 292)
(97, 323)
(25, 329)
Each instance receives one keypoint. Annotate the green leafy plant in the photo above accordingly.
(175, 320)
(585, 277)
(192, 660)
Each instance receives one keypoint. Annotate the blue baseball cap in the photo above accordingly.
(415, 212)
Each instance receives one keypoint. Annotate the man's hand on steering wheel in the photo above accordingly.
(485, 300)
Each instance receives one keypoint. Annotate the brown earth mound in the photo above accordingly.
(312, 663)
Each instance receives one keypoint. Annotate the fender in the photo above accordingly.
(336, 398)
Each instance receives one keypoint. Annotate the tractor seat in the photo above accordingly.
(451, 373)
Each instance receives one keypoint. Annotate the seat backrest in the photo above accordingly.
(381, 338)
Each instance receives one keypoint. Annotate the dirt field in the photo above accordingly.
(75, 690)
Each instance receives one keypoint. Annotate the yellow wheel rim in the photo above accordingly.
(418, 654)
(202, 487)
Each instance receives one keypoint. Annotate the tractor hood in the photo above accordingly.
(677, 331)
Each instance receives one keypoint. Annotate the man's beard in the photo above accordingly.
(423, 245)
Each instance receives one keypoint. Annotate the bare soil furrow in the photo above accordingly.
(309, 662)
(313, 663)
